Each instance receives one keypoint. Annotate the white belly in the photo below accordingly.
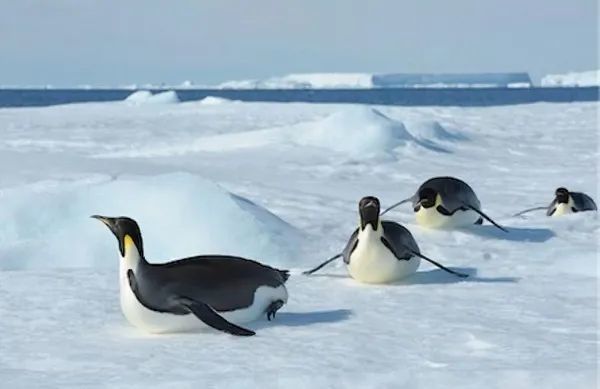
(371, 262)
(562, 209)
(431, 218)
(158, 322)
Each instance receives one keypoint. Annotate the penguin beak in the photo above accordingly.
(108, 221)
(111, 223)
(562, 198)
(425, 203)
(369, 214)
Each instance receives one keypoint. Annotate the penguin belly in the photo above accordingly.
(563, 209)
(163, 322)
(371, 262)
(431, 218)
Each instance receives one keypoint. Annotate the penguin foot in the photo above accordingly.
(273, 308)
(479, 221)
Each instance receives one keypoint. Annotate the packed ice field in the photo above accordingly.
(280, 183)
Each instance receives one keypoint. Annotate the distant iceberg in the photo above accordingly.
(305, 81)
(458, 80)
(397, 80)
(589, 78)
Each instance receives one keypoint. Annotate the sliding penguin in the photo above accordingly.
(446, 202)
(182, 295)
(566, 202)
(380, 252)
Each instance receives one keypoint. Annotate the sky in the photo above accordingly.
(117, 42)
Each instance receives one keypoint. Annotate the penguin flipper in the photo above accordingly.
(395, 205)
(211, 318)
(530, 210)
(389, 246)
(486, 217)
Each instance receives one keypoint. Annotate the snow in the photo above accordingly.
(589, 78)
(357, 132)
(237, 178)
(201, 212)
(146, 97)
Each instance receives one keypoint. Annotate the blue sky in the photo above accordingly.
(70, 42)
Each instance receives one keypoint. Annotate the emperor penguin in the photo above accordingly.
(380, 252)
(566, 202)
(191, 293)
(446, 202)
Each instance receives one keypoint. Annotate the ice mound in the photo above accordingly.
(355, 131)
(146, 97)
(139, 96)
(179, 215)
(428, 130)
(213, 100)
(589, 78)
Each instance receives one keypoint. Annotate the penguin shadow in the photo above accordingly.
(301, 319)
(515, 234)
(439, 276)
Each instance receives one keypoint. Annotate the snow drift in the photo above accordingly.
(432, 130)
(362, 131)
(355, 131)
(590, 78)
(179, 215)
(146, 97)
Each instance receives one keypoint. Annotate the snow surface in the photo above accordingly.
(235, 178)
(589, 78)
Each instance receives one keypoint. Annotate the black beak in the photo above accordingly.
(369, 214)
(108, 221)
(562, 198)
(111, 223)
(426, 202)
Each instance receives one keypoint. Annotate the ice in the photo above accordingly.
(304, 81)
(57, 232)
(146, 97)
(589, 78)
(399, 80)
(139, 96)
(213, 100)
(450, 80)
(235, 177)
(356, 131)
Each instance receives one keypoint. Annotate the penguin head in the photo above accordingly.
(126, 230)
(562, 195)
(368, 208)
(427, 197)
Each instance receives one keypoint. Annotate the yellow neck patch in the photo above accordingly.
(128, 243)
